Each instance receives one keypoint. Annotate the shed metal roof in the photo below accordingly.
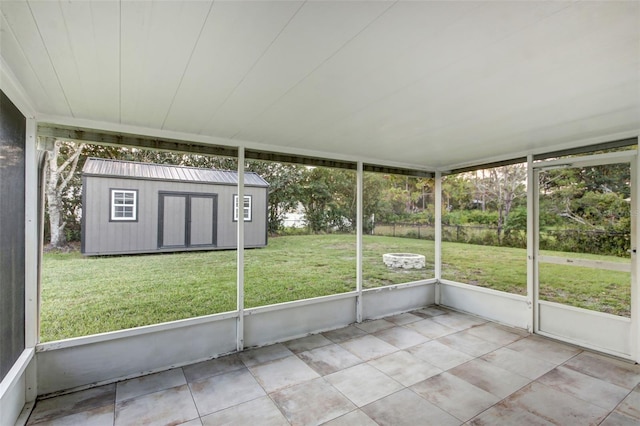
(131, 169)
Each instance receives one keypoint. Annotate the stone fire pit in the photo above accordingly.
(403, 260)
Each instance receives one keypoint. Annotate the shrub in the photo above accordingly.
(603, 242)
(454, 218)
(482, 218)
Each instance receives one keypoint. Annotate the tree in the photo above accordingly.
(375, 206)
(284, 191)
(62, 162)
(315, 195)
(399, 194)
(457, 192)
(425, 191)
(501, 186)
(590, 197)
(329, 199)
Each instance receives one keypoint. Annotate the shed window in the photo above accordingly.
(247, 208)
(124, 205)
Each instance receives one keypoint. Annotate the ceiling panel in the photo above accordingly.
(489, 95)
(157, 40)
(313, 36)
(524, 127)
(12, 53)
(436, 38)
(57, 40)
(425, 84)
(489, 82)
(23, 50)
(390, 54)
(234, 38)
(92, 30)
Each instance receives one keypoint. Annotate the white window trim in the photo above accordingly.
(114, 205)
(247, 209)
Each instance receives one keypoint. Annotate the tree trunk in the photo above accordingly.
(500, 223)
(57, 182)
(407, 204)
(54, 201)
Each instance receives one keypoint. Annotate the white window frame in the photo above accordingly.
(247, 208)
(134, 213)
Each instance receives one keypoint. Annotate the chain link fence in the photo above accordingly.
(601, 242)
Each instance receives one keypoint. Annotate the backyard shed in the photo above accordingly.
(131, 207)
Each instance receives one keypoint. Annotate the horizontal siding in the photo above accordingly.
(104, 237)
(255, 232)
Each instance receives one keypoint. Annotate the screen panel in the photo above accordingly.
(12, 245)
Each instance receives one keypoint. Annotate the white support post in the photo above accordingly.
(438, 235)
(635, 265)
(31, 380)
(32, 246)
(359, 231)
(31, 235)
(532, 229)
(240, 253)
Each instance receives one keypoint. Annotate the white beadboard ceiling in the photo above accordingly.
(426, 84)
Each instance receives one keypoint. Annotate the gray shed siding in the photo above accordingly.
(102, 236)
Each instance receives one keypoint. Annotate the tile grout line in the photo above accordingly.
(617, 405)
(192, 397)
(115, 395)
(279, 408)
(582, 351)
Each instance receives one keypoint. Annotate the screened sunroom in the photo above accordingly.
(467, 177)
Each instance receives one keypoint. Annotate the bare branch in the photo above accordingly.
(75, 157)
(77, 152)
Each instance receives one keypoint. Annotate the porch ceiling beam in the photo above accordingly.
(621, 143)
(177, 145)
(138, 141)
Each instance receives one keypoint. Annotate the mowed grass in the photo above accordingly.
(499, 268)
(596, 289)
(89, 295)
(505, 269)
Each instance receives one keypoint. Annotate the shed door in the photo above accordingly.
(202, 226)
(173, 220)
(186, 220)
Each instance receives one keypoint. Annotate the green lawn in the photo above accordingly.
(500, 268)
(505, 269)
(87, 295)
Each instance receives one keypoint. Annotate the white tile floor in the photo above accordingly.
(431, 366)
